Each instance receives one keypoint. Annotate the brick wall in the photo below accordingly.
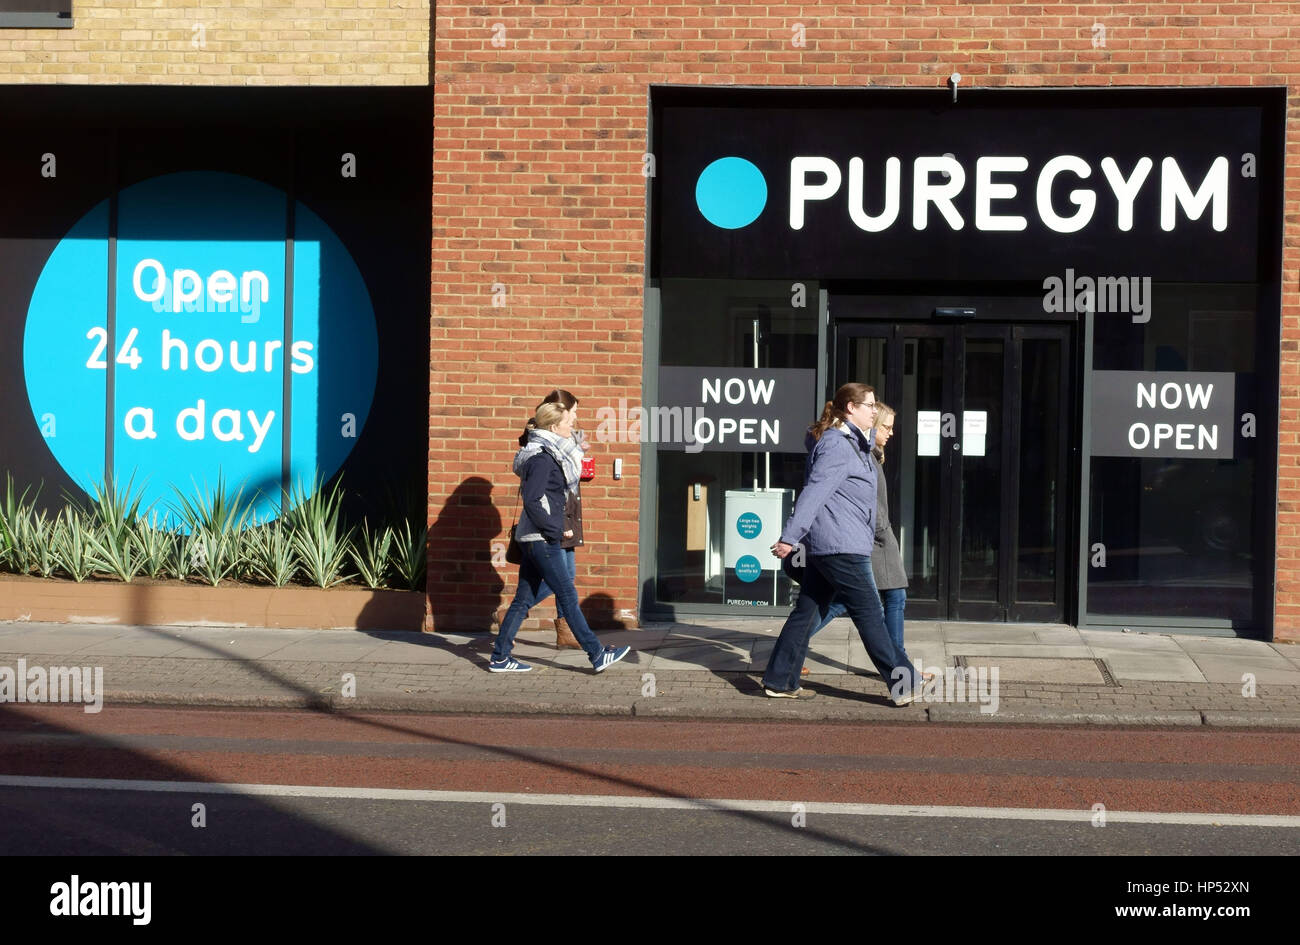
(267, 42)
(540, 127)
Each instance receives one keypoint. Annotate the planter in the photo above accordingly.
(153, 603)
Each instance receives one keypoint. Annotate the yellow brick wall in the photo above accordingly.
(262, 42)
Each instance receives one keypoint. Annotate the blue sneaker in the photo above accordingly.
(507, 665)
(609, 656)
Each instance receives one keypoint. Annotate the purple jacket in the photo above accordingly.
(836, 511)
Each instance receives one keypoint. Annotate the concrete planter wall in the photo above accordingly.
(175, 604)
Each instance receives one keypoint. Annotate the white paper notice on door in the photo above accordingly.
(927, 432)
(974, 426)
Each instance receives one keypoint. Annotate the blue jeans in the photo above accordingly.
(545, 591)
(544, 570)
(848, 577)
(894, 600)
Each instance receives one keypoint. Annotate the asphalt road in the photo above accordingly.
(419, 784)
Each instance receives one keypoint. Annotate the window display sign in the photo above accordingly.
(927, 432)
(733, 410)
(235, 300)
(1171, 414)
(207, 384)
(753, 521)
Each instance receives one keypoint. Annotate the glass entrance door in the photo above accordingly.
(978, 470)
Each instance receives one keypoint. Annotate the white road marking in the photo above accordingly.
(653, 803)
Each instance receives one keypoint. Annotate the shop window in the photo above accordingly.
(35, 14)
(727, 494)
(1172, 527)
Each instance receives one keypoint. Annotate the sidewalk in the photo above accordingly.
(1045, 674)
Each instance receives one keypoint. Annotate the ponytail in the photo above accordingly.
(837, 410)
(826, 422)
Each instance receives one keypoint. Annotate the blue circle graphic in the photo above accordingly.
(731, 193)
(206, 384)
(749, 525)
(748, 569)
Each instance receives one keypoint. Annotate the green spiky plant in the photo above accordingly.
(320, 540)
(269, 554)
(371, 552)
(16, 516)
(73, 539)
(214, 520)
(409, 555)
(155, 543)
(114, 535)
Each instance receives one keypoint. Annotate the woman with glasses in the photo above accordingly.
(833, 526)
(886, 557)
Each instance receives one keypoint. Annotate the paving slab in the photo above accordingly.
(406, 653)
(1042, 670)
(702, 658)
(984, 633)
(1125, 664)
(1060, 636)
(23, 629)
(1138, 642)
(310, 650)
(1267, 669)
(153, 645)
(71, 642)
(992, 650)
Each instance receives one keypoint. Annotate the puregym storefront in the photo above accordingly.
(1070, 297)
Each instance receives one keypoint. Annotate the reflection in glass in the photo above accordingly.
(1041, 419)
(1175, 537)
(981, 475)
(722, 323)
(916, 511)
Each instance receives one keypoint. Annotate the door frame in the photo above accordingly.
(1013, 320)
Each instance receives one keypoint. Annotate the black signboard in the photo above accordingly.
(1000, 185)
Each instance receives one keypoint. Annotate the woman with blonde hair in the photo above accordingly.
(544, 477)
(573, 536)
(833, 525)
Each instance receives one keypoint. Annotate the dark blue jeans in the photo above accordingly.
(894, 601)
(544, 569)
(849, 578)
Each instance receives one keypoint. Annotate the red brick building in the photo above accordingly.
(550, 267)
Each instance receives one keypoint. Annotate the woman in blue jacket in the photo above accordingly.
(834, 527)
(544, 476)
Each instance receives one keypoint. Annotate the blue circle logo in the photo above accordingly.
(749, 525)
(748, 569)
(731, 193)
(207, 383)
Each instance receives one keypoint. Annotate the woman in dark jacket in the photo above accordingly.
(572, 513)
(544, 476)
(887, 561)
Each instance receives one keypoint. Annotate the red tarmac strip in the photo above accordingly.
(1197, 770)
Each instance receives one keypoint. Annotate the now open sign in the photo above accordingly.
(733, 410)
(1171, 414)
